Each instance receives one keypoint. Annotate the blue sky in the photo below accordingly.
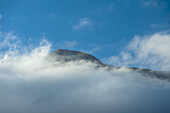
(130, 33)
(100, 27)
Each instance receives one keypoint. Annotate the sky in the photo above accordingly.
(133, 33)
(103, 28)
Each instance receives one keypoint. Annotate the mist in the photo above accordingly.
(32, 82)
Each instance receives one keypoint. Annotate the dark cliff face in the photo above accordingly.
(68, 55)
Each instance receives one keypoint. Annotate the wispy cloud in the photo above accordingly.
(0, 17)
(159, 26)
(69, 44)
(83, 23)
(150, 3)
(111, 7)
(93, 50)
(147, 51)
(154, 3)
(52, 15)
(0, 20)
(7, 39)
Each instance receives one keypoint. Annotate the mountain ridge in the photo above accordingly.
(64, 55)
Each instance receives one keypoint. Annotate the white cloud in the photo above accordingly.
(7, 38)
(11, 46)
(147, 51)
(32, 82)
(83, 22)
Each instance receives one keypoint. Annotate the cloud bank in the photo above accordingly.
(30, 82)
(147, 51)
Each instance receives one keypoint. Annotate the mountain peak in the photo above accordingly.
(70, 55)
(64, 55)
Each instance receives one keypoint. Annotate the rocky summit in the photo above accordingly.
(69, 55)
(64, 55)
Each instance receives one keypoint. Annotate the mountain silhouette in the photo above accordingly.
(69, 55)
(64, 56)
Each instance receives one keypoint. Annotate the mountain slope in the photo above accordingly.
(64, 56)
(69, 55)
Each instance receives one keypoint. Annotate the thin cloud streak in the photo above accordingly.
(154, 3)
(111, 7)
(69, 44)
(0, 17)
(83, 23)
